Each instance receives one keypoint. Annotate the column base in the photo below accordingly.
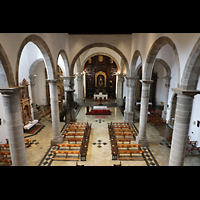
(129, 117)
(56, 140)
(143, 141)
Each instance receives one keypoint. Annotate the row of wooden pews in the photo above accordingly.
(191, 148)
(5, 151)
(75, 142)
(123, 146)
(155, 117)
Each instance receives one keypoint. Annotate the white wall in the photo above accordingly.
(40, 84)
(194, 131)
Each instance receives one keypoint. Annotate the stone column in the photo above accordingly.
(120, 89)
(80, 98)
(14, 125)
(181, 125)
(142, 138)
(167, 86)
(66, 84)
(57, 138)
(32, 84)
(129, 113)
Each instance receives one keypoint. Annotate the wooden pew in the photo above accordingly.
(125, 140)
(55, 152)
(123, 130)
(4, 158)
(27, 143)
(126, 134)
(68, 146)
(133, 154)
(75, 130)
(120, 123)
(76, 126)
(121, 126)
(73, 140)
(128, 146)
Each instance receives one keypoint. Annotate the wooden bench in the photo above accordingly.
(73, 140)
(122, 127)
(73, 134)
(68, 146)
(119, 123)
(78, 123)
(132, 153)
(126, 134)
(2, 146)
(129, 146)
(76, 126)
(4, 158)
(25, 140)
(125, 140)
(55, 152)
(124, 130)
(75, 130)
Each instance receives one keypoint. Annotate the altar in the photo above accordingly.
(100, 96)
(100, 108)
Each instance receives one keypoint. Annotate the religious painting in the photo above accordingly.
(100, 79)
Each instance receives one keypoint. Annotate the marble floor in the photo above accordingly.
(101, 156)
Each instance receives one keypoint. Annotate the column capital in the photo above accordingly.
(146, 81)
(190, 93)
(11, 90)
(52, 80)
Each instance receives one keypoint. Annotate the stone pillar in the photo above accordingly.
(14, 125)
(66, 84)
(142, 138)
(181, 125)
(80, 98)
(57, 138)
(167, 86)
(120, 89)
(32, 85)
(129, 113)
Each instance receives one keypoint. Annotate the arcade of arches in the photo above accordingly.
(148, 80)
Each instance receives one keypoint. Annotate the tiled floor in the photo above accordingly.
(99, 150)
(99, 154)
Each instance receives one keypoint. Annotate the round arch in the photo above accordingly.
(99, 45)
(133, 69)
(191, 72)
(6, 74)
(48, 59)
(155, 48)
(64, 56)
(104, 54)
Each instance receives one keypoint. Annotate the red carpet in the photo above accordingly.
(99, 112)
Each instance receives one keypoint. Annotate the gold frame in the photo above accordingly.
(100, 73)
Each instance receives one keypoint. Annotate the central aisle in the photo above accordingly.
(99, 149)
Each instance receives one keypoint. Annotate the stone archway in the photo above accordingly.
(133, 69)
(66, 62)
(191, 72)
(99, 45)
(6, 74)
(48, 59)
(155, 48)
